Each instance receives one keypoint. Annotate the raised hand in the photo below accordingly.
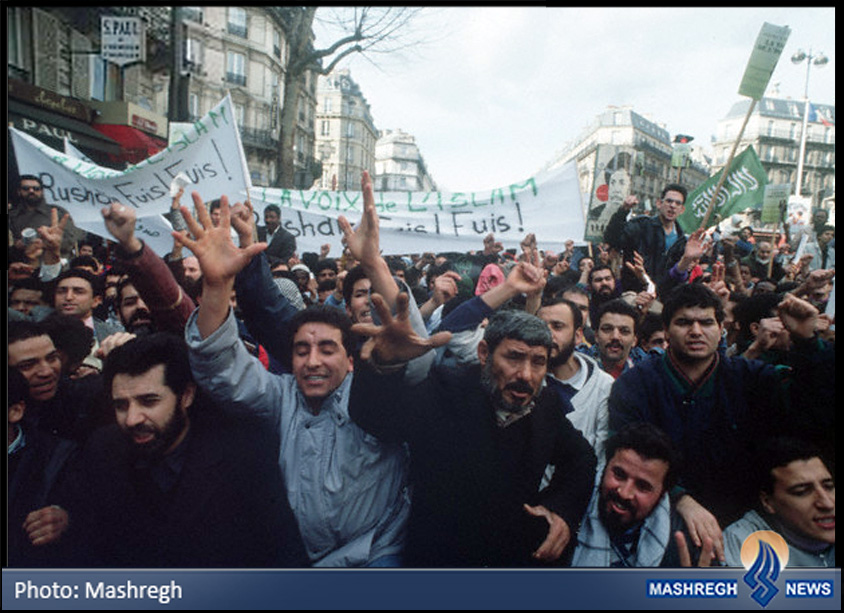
(630, 202)
(696, 246)
(637, 267)
(52, 236)
(363, 242)
(120, 222)
(395, 341)
(243, 222)
(219, 258)
(445, 287)
(798, 316)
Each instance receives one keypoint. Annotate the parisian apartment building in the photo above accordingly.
(345, 132)
(399, 165)
(59, 87)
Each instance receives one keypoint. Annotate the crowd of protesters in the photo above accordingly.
(650, 400)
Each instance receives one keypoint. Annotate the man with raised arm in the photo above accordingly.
(718, 409)
(348, 491)
(266, 312)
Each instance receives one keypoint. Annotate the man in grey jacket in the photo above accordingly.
(347, 490)
(797, 500)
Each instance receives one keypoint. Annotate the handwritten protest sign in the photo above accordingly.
(763, 59)
(412, 222)
(210, 154)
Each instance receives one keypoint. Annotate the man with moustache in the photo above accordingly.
(717, 409)
(602, 287)
(348, 491)
(480, 439)
(629, 522)
(615, 335)
(32, 211)
(150, 299)
(759, 262)
(173, 484)
(282, 244)
(132, 310)
(77, 293)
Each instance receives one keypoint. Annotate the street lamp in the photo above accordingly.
(818, 59)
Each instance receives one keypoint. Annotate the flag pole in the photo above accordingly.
(726, 170)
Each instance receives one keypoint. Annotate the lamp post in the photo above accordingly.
(818, 59)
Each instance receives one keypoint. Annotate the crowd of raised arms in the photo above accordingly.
(651, 400)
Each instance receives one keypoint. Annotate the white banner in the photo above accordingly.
(208, 155)
(414, 222)
(547, 205)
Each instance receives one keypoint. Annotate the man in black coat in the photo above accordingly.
(38, 467)
(282, 244)
(658, 239)
(173, 484)
(480, 441)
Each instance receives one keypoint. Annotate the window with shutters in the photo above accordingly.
(46, 50)
(81, 85)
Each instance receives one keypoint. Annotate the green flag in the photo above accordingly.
(743, 189)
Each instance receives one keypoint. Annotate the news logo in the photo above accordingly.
(764, 553)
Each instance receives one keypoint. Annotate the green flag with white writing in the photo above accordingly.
(743, 189)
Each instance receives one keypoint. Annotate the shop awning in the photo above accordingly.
(51, 128)
(137, 145)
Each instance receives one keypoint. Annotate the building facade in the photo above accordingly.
(399, 166)
(774, 130)
(244, 51)
(118, 115)
(345, 132)
(59, 87)
(621, 152)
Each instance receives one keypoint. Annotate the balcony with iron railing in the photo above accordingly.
(237, 30)
(824, 138)
(262, 139)
(236, 79)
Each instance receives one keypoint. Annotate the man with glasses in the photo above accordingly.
(32, 211)
(658, 239)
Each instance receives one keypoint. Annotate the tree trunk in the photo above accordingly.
(299, 38)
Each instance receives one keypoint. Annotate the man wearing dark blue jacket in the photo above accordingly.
(717, 409)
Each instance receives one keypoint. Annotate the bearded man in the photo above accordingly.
(573, 375)
(480, 439)
(173, 484)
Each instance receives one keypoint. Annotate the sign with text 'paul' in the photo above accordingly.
(122, 39)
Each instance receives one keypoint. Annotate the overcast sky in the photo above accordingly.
(500, 91)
